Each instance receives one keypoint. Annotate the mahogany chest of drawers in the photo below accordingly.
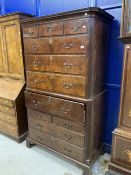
(65, 59)
(13, 119)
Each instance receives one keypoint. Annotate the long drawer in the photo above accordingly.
(67, 124)
(8, 110)
(58, 145)
(59, 64)
(56, 45)
(12, 130)
(66, 84)
(65, 109)
(8, 118)
(56, 131)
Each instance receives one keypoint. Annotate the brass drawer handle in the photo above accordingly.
(66, 111)
(38, 81)
(75, 27)
(37, 63)
(36, 103)
(67, 85)
(128, 153)
(68, 66)
(68, 150)
(50, 29)
(40, 139)
(67, 125)
(68, 137)
(68, 45)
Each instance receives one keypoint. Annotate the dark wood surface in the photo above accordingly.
(65, 59)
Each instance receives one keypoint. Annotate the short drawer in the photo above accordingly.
(68, 150)
(7, 102)
(66, 84)
(39, 115)
(65, 109)
(56, 45)
(67, 124)
(30, 31)
(40, 137)
(10, 129)
(37, 45)
(75, 27)
(62, 64)
(8, 118)
(121, 152)
(7, 110)
(58, 132)
(51, 29)
(38, 80)
(69, 45)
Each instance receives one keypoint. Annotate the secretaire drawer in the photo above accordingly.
(67, 124)
(62, 64)
(65, 109)
(40, 137)
(56, 45)
(75, 27)
(51, 29)
(68, 149)
(39, 115)
(121, 152)
(30, 31)
(56, 131)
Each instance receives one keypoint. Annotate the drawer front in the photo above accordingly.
(10, 129)
(79, 128)
(68, 150)
(57, 45)
(8, 118)
(8, 110)
(40, 137)
(62, 64)
(6, 102)
(37, 80)
(65, 109)
(66, 84)
(75, 27)
(30, 31)
(39, 115)
(37, 45)
(122, 151)
(58, 132)
(69, 45)
(51, 29)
